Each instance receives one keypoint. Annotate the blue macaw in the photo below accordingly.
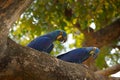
(45, 42)
(79, 55)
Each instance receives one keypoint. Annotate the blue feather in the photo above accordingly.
(41, 44)
(50, 48)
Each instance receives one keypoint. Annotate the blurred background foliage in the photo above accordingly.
(44, 16)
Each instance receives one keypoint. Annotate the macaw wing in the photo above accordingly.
(76, 56)
(40, 43)
(50, 48)
(69, 57)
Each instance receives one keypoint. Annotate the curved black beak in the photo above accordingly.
(64, 39)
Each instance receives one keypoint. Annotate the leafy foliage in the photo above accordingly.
(44, 16)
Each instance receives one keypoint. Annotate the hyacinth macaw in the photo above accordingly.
(45, 42)
(79, 55)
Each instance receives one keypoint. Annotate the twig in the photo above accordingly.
(108, 71)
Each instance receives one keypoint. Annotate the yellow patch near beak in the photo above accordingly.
(91, 52)
(59, 37)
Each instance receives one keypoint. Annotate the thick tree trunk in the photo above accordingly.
(10, 10)
(23, 63)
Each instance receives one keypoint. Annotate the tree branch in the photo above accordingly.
(24, 63)
(108, 71)
(104, 36)
(114, 78)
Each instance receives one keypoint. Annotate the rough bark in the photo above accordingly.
(108, 71)
(10, 10)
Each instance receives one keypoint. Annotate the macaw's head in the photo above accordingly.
(59, 35)
(93, 51)
(62, 36)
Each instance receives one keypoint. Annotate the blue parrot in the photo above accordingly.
(45, 42)
(79, 55)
